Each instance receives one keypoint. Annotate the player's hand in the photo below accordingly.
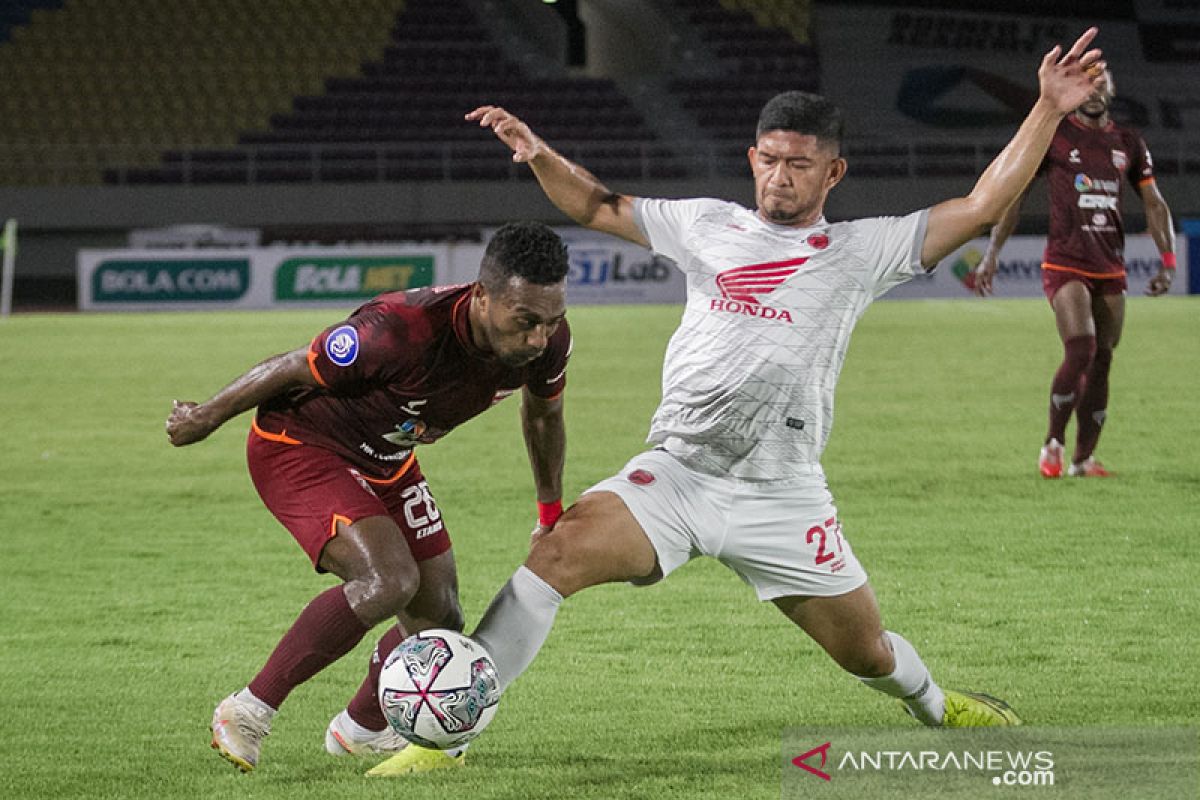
(1160, 283)
(187, 424)
(984, 274)
(510, 130)
(1067, 80)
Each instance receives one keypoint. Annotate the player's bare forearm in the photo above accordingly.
(192, 422)
(954, 222)
(546, 442)
(574, 190)
(1065, 82)
(1159, 223)
(583, 198)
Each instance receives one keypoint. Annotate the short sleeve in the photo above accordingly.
(1141, 165)
(891, 247)
(351, 354)
(665, 223)
(548, 373)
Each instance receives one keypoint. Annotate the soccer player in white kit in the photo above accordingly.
(748, 386)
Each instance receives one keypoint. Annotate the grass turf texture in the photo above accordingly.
(142, 583)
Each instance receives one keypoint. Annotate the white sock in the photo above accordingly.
(517, 622)
(247, 696)
(911, 682)
(357, 733)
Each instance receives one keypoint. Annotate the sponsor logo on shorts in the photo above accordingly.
(342, 346)
(429, 530)
(641, 477)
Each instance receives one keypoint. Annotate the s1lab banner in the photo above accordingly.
(1020, 274)
(605, 269)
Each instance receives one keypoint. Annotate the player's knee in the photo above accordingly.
(384, 591)
(559, 559)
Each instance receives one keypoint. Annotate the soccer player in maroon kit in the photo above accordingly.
(1083, 273)
(331, 453)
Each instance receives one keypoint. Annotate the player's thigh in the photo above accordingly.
(435, 605)
(373, 550)
(1108, 310)
(342, 525)
(846, 626)
(597, 540)
(1072, 306)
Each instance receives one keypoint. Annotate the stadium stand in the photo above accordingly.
(91, 83)
(758, 48)
(400, 116)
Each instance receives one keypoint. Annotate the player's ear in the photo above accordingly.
(837, 171)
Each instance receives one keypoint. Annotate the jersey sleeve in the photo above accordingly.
(1141, 165)
(665, 223)
(352, 354)
(548, 374)
(891, 247)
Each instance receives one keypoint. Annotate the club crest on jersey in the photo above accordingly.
(342, 345)
(1120, 160)
(818, 241)
(641, 477)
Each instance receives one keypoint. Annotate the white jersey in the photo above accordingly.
(749, 376)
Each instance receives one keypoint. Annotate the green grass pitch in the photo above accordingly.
(143, 583)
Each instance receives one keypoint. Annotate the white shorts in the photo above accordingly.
(784, 539)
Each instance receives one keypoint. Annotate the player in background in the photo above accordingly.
(331, 453)
(748, 386)
(1083, 272)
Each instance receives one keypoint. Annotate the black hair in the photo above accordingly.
(526, 250)
(803, 113)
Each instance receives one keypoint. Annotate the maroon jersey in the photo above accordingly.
(402, 371)
(1086, 169)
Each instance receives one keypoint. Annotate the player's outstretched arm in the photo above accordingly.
(546, 441)
(1065, 81)
(1162, 230)
(192, 422)
(576, 192)
(985, 273)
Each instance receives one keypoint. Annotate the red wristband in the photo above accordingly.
(1168, 260)
(548, 513)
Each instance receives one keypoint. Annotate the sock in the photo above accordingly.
(364, 706)
(1066, 387)
(911, 682)
(325, 631)
(1092, 405)
(517, 622)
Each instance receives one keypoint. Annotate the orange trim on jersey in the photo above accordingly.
(333, 524)
(1084, 273)
(412, 457)
(280, 437)
(1144, 181)
(312, 367)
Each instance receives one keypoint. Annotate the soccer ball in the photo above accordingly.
(439, 689)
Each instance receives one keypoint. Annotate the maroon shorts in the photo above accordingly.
(1055, 279)
(309, 490)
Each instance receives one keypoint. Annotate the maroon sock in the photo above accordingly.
(1066, 388)
(325, 631)
(1093, 405)
(364, 707)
